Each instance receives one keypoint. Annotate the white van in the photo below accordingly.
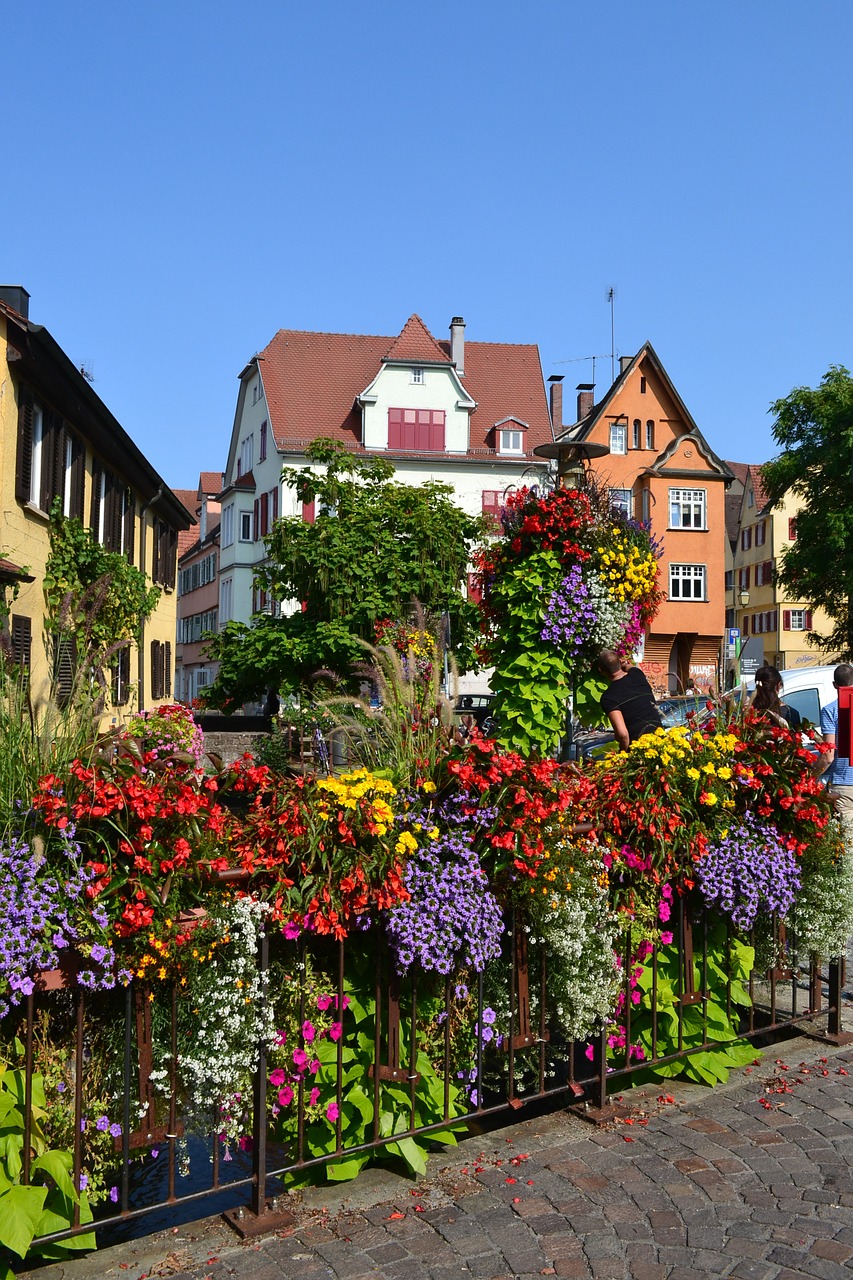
(808, 689)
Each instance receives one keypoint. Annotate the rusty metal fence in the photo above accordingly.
(529, 1062)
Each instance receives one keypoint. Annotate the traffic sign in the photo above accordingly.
(734, 633)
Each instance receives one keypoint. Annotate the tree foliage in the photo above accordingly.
(814, 427)
(375, 549)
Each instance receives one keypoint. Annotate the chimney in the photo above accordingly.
(556, 390)
(16, 297)
(457, 344)
(586, 394)
(624, 361)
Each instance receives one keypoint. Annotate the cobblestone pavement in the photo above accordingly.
(754, 1181)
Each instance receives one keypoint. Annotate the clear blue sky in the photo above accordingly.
(182, 179)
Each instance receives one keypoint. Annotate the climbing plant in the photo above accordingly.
(93, 595)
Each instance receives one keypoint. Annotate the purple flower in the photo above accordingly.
(102, 1124)
(114, 1194)
(748, 872)
(115, 1130)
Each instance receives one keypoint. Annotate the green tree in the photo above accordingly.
(814, 427)
(376, 549)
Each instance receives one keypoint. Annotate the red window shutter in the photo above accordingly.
(792, 529)
(256, 520)
(274, 502)
(263, 448)
(265, 514)
(774, 620)
(24, 465)
(395, 428)
(786, 619)
(308, 512)
(475, 591)
(808, 619)
(746, 576)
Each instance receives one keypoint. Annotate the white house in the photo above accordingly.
(469, 414)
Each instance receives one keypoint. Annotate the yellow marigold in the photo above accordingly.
(693, 773)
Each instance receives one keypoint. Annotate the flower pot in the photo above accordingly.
(63, 977)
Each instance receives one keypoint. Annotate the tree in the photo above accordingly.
(814, 427)
(376, 549)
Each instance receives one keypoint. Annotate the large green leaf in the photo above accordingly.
(20, 1211)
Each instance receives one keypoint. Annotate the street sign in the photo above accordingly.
(734, 634)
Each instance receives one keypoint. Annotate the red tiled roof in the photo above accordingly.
(8, 571)
(209, 482)
(416, 343)
(186, 537)
(740, 470)
(311, 381)
(758, 487)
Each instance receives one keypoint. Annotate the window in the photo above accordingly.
(730, 585)
(512, 441)
(262, 447)
(257, 391)
(687, 509)
(416, 429)
(75, 467)
(636, 428)
(745, 539)
(226, 599)
(38, 449)
(647, 510)
(796, 619)
(492, 508)
(198, 574)
(620, 500)
(416, 376)
(687, 582)
(165, 555)
(161, 669)
(246, 459)
(193, 629)
(64, 666)
(41, 461)
(650, 434)
(228, 525)
(750, 498)
(792, 529)
(246, 526)
(764, 573)
(761, 533)
(120, 677)
(22, 640)
(743, 579)
(618, 437)
(642, 386)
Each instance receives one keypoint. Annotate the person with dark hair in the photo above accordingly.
(629, 700)
(768, 686)
(839, 775)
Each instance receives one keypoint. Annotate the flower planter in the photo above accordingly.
(63, 977)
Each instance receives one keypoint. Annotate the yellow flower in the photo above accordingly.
(724, 772)
(161, 972)
(428, 786)
(693, 773)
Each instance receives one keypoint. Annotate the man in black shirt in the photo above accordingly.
(628, 701)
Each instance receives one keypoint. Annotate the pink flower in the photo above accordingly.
(664, 911)
(335, 1031)
(300, 1058)
(281, 1038)
(666, 938)
(589, 1051)
(285, 1096)
(308, 1031)
(323, 1003)
(332, 1111)
(292, 929)
(313, 1097)
(314, 1066)
(277, 1077)
(636, 997)
(245, 1143)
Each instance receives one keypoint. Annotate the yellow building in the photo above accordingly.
(60, 441)
(763, 610)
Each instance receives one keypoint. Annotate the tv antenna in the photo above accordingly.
(580, 359)
(611, 298)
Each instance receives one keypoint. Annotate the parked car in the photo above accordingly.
(675, 710)
(476, 708)
(808, 690)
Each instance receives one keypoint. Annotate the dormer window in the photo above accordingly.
(416, 376)
(511, 441)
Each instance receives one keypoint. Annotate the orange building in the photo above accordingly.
(642, 444)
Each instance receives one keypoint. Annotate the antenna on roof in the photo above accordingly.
(611, 298)
(579, 359)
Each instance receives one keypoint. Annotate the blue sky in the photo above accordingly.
(185, 178)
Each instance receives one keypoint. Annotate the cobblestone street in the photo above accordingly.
(754, 1180)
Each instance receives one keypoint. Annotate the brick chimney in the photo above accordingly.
(586, 396)
(555, 387)
(457, 344)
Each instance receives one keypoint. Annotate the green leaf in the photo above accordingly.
(345, 1170)
(20, 1210)
(57, 1165)
(410, 1151)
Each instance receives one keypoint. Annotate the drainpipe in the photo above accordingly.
(141, 646)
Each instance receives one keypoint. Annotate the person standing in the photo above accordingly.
(628, 700)
(768, 687)
(839, 775)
